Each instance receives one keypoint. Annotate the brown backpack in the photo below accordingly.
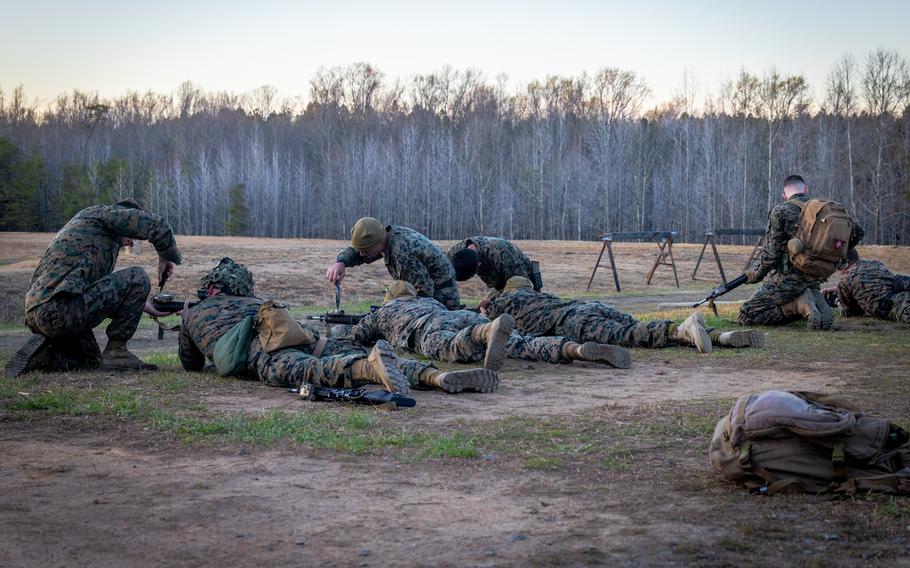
(801, 441)
(822, 237)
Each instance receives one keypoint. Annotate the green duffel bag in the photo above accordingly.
(232, 348)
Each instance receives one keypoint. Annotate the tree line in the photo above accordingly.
(453, 154)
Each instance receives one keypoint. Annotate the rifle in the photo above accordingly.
(720, 290)
(338, 317)
(382, 398)
(167, 303)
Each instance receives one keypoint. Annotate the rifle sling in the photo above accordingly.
(320, 346)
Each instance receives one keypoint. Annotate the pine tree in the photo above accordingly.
(238, 212)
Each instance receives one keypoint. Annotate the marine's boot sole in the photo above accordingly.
(382, 359)
(21, 359)
(612, 355)
(496, 342)
(825, 314)
(480, 380)
(744, 338)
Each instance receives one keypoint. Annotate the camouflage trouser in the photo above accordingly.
(119, 296)
(900, 307)
(603, 324)
(450, 343)
(546, 349)
(291, 367)
(778, 289)
(447, 295)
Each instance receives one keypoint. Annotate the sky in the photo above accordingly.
(114, 47)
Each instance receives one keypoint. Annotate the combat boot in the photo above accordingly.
(379, 368)
(612, 355)
(495, 334)
(33, 356)
(116, 357)
(804, 306)
(692, 332)
(741, 338)
(824, 310)
(480, 380)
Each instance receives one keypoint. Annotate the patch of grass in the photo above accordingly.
(163, 359)
(116, 402)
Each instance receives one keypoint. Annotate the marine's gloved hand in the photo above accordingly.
(165, 271)
(752, 276)
(335, 273)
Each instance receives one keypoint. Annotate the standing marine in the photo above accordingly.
(408, 255)
(74, 289)
(791, 270)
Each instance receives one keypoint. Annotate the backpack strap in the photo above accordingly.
(798, 202)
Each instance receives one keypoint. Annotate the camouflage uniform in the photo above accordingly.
(785, 283)
(412, 257)
(205, 323)
(499, 261)
(868, 288)
(73, 289)
(424, 326)
(542, 314)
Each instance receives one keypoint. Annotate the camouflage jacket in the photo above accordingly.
(412, 257)
(782, 223)
(86, 248)
(206, 322)
(499, 260)
(864, 286)
(535, 313)
(401, 320)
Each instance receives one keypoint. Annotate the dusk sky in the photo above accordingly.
(112, 47)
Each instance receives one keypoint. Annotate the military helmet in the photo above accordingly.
(232, 277)
(517, 283)
(399, 289)
(366, 232)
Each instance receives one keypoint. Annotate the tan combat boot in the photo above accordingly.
(495, 334)
(480, 380)
(804, 306)
(612, 355)
(741, 338)
(693, 332)
(379, 368)
(116, 357)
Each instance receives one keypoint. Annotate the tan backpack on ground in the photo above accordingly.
(822, 237)
(809, 442)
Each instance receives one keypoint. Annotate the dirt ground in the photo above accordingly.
(575, 464)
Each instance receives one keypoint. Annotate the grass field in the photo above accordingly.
(563, 465)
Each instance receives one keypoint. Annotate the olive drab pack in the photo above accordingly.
(822, 237)
(779, 441)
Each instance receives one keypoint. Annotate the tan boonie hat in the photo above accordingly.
(399, 289)
(367, 232)
(517, 283)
